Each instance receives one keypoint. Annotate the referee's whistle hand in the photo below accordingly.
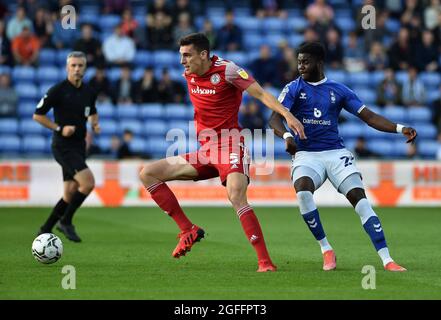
(97, 129)
(68, 131)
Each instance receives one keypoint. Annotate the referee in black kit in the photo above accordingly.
(74, 103)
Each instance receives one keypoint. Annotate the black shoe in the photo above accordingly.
(69, 231)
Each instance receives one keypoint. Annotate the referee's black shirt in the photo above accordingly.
(71, 106)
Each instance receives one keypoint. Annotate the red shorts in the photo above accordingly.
(219, 160)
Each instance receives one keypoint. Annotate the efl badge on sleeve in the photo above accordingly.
(243, 74)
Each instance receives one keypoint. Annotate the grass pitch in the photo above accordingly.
(126, 254)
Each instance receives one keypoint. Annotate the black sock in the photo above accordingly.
(77, 200)
(57, 213)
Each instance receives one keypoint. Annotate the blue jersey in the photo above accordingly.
(318, 106)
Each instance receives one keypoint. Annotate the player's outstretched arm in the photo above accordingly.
(93, 119)
(380, 123)
(276, 123)
(271, 102)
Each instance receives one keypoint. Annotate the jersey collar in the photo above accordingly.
(318, 82)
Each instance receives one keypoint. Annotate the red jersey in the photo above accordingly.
(217, 95)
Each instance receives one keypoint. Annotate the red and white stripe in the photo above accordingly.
(243, 210)
(154, 186)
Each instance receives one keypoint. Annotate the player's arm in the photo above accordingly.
(380, 123)
(93, 120)
(271, 102)
(276, 123)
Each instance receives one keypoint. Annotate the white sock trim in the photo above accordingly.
(306, 202)
(385, 256)
(364, 210)
(324, 245)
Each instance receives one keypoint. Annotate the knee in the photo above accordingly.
(355, 195)
(88, 186)
(304, 196)
(237, 197)
(146, 174)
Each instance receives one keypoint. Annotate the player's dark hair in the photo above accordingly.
(315, 49)
(198, 40)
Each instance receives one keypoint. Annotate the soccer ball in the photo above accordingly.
(47, 248)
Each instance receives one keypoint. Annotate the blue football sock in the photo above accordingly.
(375, 232)
(314, 224)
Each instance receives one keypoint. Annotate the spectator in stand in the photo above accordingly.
(125, 89)
(310, 35)
(17, 23)
(272, 8)
(8, 97)
(361, 150)
(182, 6)
(43, 27)
(147, 88)
(210, 33)
(334, 49)
(286, 67)
(377, 57)
(5, 47)
(90, 46)
(115, 6)
(427, 53)
(354, 54)
(63, 38)
(438, 153)
(431, 14)
(229, 37)
(118, 49)
(124, 150)
(414, 93)
(380, 33)
(413, 20)
(263, 67)
(26, 48)
(320, 17)
(155, 7)
(182, 29)
(159, 32)
(436, 111)
(437, 32)
(170, 91)
(128, 24)
(251, 116)
(400, 53)
(92, 149)
(389, 90)
(101, 84)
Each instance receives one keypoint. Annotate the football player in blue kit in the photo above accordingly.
(317, 102)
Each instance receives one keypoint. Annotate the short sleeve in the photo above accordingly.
(287, 96)
(48, 101)
(352, 102)
(238, 77)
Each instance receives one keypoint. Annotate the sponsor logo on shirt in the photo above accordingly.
(332, 96)
(317, 122)
(203, 91)
(242, 73)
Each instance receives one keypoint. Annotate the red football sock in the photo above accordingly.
(167, 201)
(252, 229)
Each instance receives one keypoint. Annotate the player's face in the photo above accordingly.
(75, 68)
(307, 66)
(191, 59)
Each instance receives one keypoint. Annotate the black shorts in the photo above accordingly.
(72, 159)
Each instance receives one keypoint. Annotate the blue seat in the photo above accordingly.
(155, 128)
(151, 110)
(108, 127)
(297, 24)
(133, 125)
(253, 41)
(381, 146)
(47, 57)
(395, 113)
(106, 110)
(433, 95)
(23, 74)
(392, 25)
(8, 126)
(367, 96)
(137, 74)
(5, 69)
(250, 24)
(48, 74)
(104, 142)
(44, 88)
(274, 39)
(29, 126)
(127, 111)
(34, 144)
(157, 147)
(10, 144)
(144, 58)
(114, 74)
(176, 111)
(400, 149)
(180, 125)
(26, 110)
(27, 91)
(274, 25)
(345, 23)
(350, 130)
(426, 130)
(431, 79)
(336, 75)
(164, 58)
(109, 21)
(377, 77)
(90, 73)
(419, 114)
(361, 78)
(429, 148)
(62, 56)
(138, 145)
(295, 40)
(239, 58)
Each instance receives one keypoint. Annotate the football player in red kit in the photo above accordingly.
(215, 87)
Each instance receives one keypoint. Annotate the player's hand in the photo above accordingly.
(290, 146)
(96, 128)
(295, 125)
(68, 131)
(410, 134)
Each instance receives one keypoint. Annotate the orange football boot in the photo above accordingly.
(329, 260)
(187, 239)
(266, 265)
(392, 266)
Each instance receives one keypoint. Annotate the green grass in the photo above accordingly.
(126, 254)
